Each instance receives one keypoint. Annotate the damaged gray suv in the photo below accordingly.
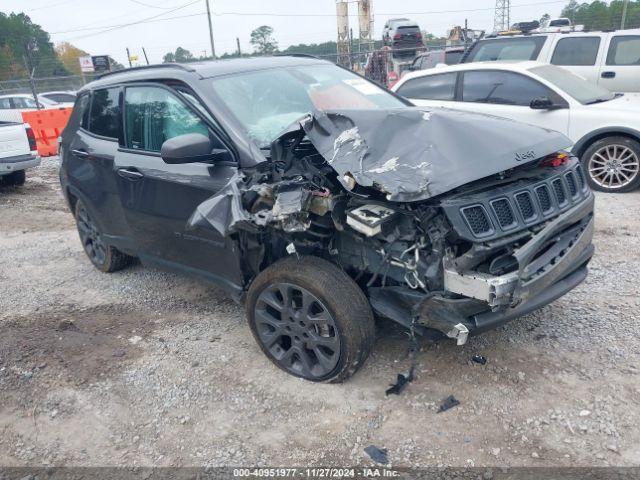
(321, 201)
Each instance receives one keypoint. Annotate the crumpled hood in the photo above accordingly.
(416, 153)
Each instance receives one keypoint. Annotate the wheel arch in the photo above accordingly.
(585, 142)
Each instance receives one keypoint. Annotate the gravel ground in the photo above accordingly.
(147, 368)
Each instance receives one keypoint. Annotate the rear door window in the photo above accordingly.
(5, 103)
(624, 50)
(502, 88)
(105, 115)
(431, 87)
(452, 58)
(577, 51)
(517, 48)
(154, 115)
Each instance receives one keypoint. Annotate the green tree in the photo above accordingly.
(544, 18)
(68, 55)
(22, 39)
(263, 41)
(181, 55)
(599, 15)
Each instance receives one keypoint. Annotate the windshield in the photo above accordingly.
(517, 48)
(266, 102)
(581, 90)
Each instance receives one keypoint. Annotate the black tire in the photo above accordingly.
(104, 257)
(327, 318)
(612, 164)
(16, 178)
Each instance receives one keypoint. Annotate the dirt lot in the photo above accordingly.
(146, 368)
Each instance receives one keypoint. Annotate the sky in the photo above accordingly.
(95, 25)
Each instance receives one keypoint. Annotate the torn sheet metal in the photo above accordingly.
(414, 154)
(224, 211)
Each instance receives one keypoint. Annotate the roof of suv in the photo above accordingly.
(206, 69)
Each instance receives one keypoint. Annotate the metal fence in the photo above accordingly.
(48, 84)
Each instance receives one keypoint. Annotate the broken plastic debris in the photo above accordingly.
(448, 403)
(401, 383)
(378, 455)
(479, 359)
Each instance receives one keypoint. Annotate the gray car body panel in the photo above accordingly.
(414, 154)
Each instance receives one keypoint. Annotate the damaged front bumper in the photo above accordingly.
(550, 264)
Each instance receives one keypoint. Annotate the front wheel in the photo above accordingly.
(311, 319)
(16, 178)
(612, 164)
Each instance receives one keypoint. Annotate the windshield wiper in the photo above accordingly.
(599, 100)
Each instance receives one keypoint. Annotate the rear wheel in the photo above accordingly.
(104, 257)
(311, 319)
(612, 164)
(16, 178)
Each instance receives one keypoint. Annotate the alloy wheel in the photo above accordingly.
(90, 237)
(297, 330)
(614, 166)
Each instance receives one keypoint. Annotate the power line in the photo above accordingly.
(150, 6)
(144, 20)
(220, 14)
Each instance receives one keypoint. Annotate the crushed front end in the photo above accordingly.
(445, 244)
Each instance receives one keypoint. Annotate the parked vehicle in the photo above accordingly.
(558, 25)
(18, 152)
(318, 198)
(444, 56)
(22, 101)
(608, 59)
(390, 25)
(604, 127)
(405, 39)
(64, 98)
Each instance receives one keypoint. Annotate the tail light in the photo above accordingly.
(397, 36)
(419, 36)
(33, 146)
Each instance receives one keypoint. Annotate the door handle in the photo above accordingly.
(608, 74)
(130, 174)
(80, 153)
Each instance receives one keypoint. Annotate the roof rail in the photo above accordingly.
(303, 55)
(149, 67)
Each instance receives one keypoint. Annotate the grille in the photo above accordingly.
(544, 197)
(580, 176)
(559, 191)
(573, 189)
(477, 219)
(504, 213)
(525, 204)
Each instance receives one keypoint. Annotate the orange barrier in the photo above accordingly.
(47, 125)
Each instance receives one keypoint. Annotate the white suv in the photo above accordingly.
(609, 59)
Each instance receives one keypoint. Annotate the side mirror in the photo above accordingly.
(542, 103)
(192, 148)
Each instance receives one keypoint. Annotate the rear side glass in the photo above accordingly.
(624, 50)
(5, 103)
(81, 111)
(452, 58)
(432, 87)
(105, 118)
(520, 48)
(579, 51)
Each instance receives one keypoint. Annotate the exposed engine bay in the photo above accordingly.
(447, 252)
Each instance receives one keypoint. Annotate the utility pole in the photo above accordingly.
(145, 55)
(238, 43)
(129, 57)
(213, 48)
(31, 70)
(624, 14)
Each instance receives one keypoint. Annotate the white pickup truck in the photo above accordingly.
(18, 152)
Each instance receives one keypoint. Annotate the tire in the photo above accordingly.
(612, 164)
(104, 257)
(16, 178)
(311, 319)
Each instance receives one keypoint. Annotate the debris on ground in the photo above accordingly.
(378, 455)
(401, 383)
(479, 359)
(448, 403)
